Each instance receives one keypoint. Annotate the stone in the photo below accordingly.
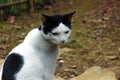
(1, 61)
(96, 73)
(73, 67)
(111, 57)
(58, 78)
(71, 71)
(119, 49)
(60, 63)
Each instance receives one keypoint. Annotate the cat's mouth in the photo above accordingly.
(59, 43)
(62, 43)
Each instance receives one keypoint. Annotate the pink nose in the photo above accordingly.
(62, 41)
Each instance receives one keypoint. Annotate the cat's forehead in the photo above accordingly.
(61, 28)
(56, 18)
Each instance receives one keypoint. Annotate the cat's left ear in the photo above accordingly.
(44, 19)
(68, 16)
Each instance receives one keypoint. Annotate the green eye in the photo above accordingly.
(66, 32)
(55, 34)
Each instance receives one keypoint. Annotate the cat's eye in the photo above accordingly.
(55, 34)
(66, 32)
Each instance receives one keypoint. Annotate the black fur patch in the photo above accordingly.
(12, 65)
(53, 22)
(39, 28)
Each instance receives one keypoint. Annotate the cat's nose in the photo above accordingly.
(63, 41)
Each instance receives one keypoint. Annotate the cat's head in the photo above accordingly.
(56, 28)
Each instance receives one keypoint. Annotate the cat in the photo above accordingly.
(35, 58)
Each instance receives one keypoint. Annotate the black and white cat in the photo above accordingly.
(35, 57)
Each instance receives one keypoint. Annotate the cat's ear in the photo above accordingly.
(68, 16)
(44, 19)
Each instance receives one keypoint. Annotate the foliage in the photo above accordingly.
(18, 8)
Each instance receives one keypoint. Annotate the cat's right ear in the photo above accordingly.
(44, 19)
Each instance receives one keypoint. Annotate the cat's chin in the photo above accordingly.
(61, 44)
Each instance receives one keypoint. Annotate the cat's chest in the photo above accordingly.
(40, 58)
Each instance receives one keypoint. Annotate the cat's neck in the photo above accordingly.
(37, 40)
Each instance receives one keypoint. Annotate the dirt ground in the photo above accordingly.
(95, 39)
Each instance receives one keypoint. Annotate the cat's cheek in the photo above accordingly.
(50, 36)
(56, 41)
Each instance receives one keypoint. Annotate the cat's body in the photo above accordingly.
(39, 61)
(35, 57)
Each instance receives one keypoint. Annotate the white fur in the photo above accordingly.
(39, 54)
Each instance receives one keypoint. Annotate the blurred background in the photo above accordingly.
(95, 39)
